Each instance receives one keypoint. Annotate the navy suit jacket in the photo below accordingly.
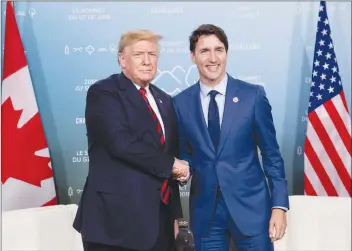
(127, 165)
(235, 166)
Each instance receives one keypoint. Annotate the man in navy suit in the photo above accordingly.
(131, 197)
(222, 122)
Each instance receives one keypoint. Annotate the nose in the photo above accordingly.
(212, 56)
(146, 59)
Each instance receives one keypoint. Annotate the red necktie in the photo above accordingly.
(165, 188)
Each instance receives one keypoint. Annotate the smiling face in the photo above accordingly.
(139, 61)
(210, 56)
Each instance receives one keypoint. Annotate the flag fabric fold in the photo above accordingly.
(327, 149)
(26, 173)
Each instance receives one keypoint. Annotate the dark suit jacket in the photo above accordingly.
(127, 165)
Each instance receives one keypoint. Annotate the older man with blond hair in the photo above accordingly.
(131, 197)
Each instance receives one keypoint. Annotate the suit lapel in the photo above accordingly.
(136, 99)
(196, 111)
(231, 110)
(132, 93)
(158, 101)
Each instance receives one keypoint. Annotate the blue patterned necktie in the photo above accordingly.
(214, 119)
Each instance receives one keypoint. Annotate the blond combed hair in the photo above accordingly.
(134, 36)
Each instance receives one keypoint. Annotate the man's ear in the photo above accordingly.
(193, 57)
(121, 60)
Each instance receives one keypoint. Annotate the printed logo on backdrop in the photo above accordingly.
(242, 11)
(73, 192)
(299, 150)
(166, 9)
(252, 46)
(81, 156)
(90, 49)
(307, 8)
(184, 191)
(89, 14)
(80, 121)
(31, 12)
(174, 47)
(84, 86)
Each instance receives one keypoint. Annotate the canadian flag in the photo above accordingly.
(26, 174)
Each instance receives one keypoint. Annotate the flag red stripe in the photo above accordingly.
(14, 58)
(338, 122)
(343, 98)
(319, 169)
(308, 188)
(330, 150)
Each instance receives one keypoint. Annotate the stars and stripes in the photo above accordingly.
(327, 159)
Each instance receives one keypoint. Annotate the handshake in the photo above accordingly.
(180, 170)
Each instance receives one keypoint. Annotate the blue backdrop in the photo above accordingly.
(71, 45)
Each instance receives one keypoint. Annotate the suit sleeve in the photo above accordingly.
(273, 163)
(184, 144)
(177, 212)
(107, 123)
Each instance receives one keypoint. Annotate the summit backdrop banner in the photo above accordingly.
(71, 45)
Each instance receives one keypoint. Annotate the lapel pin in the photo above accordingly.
(160, 101)
(235, 99)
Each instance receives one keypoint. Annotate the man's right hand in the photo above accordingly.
(181, 170)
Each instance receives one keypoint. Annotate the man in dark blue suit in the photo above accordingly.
(131, 197)
(222, 122)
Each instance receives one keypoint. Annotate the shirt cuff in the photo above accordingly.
(283, 208)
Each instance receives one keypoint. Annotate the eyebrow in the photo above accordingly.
(216, 48)
(144, 51)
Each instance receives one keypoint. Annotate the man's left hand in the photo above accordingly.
(277, 225)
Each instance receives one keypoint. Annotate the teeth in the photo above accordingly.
(213, 67)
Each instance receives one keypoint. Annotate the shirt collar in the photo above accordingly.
(139, 87)
(221, 87)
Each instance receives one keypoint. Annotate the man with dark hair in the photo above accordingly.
(222, 122)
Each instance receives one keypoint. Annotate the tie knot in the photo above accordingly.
(142, 91)
(213, 94)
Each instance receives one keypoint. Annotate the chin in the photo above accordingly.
(147, 80)
(213, 77)
(147, 77)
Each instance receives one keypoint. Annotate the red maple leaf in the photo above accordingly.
(19, 146)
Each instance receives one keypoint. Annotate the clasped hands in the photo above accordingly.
(180, 170)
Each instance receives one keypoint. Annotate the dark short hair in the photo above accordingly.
(207, 30)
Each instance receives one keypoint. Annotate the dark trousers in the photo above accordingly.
(164, 242)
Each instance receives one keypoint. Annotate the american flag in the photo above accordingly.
(327, 150)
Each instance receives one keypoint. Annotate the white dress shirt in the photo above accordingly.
(220, 98)
(153, 104)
